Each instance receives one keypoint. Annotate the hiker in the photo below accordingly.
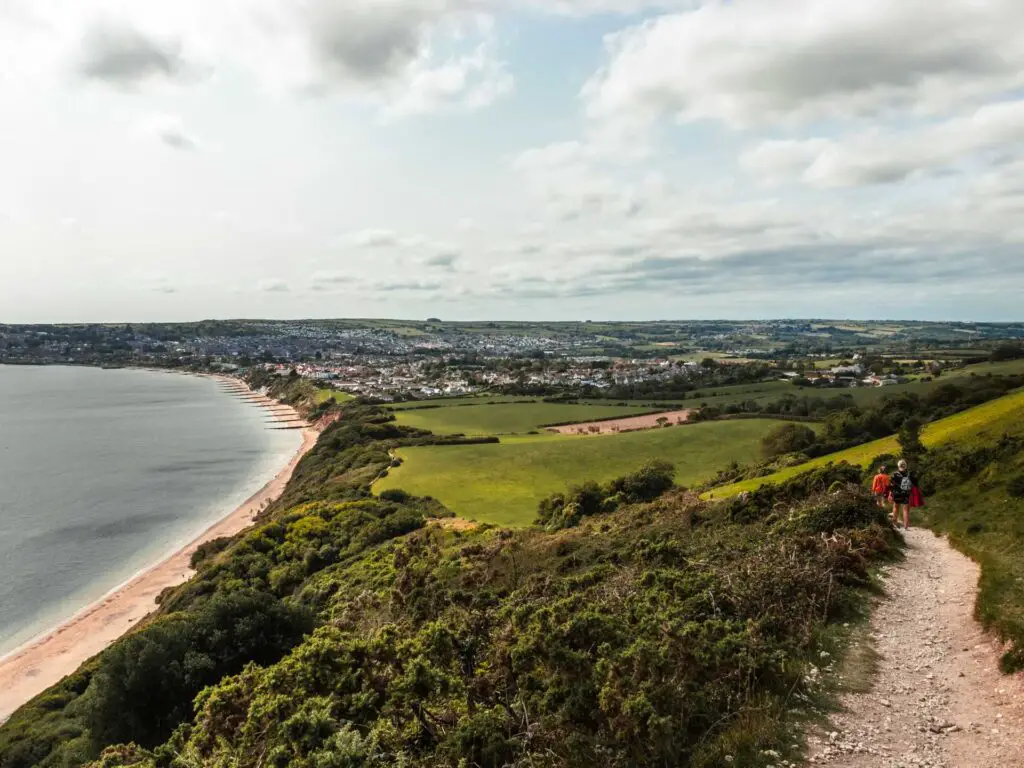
(880, 486)
(903, 486)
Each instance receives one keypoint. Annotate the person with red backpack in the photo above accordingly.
(905, 493)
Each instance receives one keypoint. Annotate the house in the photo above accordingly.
(849, 370)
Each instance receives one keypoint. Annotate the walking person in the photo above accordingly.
(903, 484)
(880, 486)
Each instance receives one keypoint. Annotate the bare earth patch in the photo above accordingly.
(938, 698)
(455, 523)
(629, 424)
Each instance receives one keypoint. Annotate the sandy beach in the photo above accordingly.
(44, 661)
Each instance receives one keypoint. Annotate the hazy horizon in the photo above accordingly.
(509, 320)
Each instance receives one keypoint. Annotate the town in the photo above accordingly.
(389, 360)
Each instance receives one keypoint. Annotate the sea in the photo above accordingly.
(105, 472)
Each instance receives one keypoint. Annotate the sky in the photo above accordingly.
(511, 159)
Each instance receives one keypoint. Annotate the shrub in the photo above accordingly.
(1016, 487)
(567, 510)
(909, 438)
(145, 683)
(848, 508)
(646, 484)
(789, 438)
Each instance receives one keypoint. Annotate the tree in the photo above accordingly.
(789, 438)
(1008, 351)
(910, 439)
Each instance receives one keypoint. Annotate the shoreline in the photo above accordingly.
(56, 653)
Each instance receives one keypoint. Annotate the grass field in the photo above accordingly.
(323, 395)
(985, 418)
(467, 400)
(503, 483)
(505, 419)
(1004, 368)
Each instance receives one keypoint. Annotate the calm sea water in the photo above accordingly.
(104, 472)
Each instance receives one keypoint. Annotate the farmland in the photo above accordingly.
(323, 395)
(987, 418)
(507, 418)
(503, 483)
(446, 402)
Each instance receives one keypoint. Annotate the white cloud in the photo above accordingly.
(444, 260)
(630, 213)
(122, 55)
(883, 156)
(373, 238)
(473, 81)
(749, 62)
(404, 57)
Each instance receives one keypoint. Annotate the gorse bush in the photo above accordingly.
(761, 502)
(848, 508)
(567, 510)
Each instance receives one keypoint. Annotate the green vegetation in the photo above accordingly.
(347, 630)
(788, 438)
(567, 510)
(324, 395)
(938, 432)
(1000, 368)
(624, 622)
(501, 419)
(973, 474)
(978, 486)
(504, 483)
(456, 401)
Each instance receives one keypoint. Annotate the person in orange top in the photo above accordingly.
(881, 485)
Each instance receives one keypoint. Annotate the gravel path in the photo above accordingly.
(938, 699)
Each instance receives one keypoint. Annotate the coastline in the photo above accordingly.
(43, 661)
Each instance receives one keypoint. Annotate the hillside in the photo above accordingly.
(973, 474)
(656, 632)
(639, 626)
(983, 419)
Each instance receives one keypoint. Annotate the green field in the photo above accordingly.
(503, 483)
(323, 395)
(987, 417)
(466, 400)
(505, 419)
(1005, 368)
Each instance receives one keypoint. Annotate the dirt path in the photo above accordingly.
(939, 699)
